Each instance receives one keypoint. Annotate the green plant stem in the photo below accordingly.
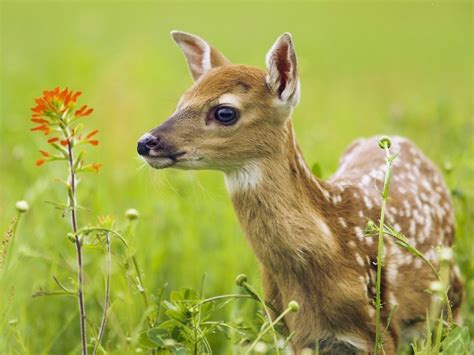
(104, 230)
(134, 262)
(266, 329)
(267, 312)
(77, 242)
(221, 297)
(142, 290)
(53, 293)
(12, 241)
(107, 294)
(378, 301)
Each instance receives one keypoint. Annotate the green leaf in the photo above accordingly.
(169, 324)
(177, 315)
(169, 305)
(457, 341)
(144, 341)
(157, 335)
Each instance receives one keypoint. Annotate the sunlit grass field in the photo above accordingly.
(366, 68)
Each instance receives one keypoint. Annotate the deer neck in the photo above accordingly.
(281, 207)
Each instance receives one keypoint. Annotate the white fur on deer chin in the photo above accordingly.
(354, 340)
(245, 178)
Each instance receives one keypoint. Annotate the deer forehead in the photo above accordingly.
(198, 102)
(239, 80)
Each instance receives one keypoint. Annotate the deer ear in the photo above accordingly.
(282, 76)
(201, 56)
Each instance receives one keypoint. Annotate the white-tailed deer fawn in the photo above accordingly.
(308, 233)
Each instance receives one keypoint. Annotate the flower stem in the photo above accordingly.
(77, 242)
(250, 289)
(378, 301)
(107, 294)
(267, 328)
(10, 249)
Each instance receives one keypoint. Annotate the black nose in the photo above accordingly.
(146, 143)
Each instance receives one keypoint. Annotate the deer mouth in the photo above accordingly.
(162, 161)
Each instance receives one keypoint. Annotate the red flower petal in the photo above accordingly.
(75, 96)
(88, 112)
(40, 162)
(92, 134)
(52, 140)
(78, 112)
(67, 99)
(93, 142)
(39, 101)
(63, 94)
(38, 109)
(43, 153)
(40, 120)
(43, 128)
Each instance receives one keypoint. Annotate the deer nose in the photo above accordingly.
(146, 143)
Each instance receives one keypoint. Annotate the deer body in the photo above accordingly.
(308, 233)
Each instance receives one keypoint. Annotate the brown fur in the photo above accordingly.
(308, 233)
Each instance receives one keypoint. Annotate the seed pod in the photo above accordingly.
(240, 279)
(385, 141)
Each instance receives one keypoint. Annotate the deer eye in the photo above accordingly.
(226, 115)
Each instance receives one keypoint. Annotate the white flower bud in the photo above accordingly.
(131, 214)
(446, 254)
(22, 206)
(261, 348)
(436, 286)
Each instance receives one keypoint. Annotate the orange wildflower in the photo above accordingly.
(55, 111)
(55, 101)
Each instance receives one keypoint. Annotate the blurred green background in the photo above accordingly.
(366, 68)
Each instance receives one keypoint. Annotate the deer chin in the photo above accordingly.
(179, 161)
(160, 162)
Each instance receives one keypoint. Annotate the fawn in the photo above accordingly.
(308, 233)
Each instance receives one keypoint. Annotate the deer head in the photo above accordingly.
(231, 115)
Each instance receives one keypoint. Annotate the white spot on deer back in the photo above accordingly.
(402, 190)
(359, 233)
(342, 222)
(359, 259)
(392, 273)
(412, 228)
(365, 180)
(368, 203)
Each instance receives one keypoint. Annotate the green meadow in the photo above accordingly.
(366, 68)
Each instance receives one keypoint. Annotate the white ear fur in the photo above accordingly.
(282, 76)
(200, 56)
